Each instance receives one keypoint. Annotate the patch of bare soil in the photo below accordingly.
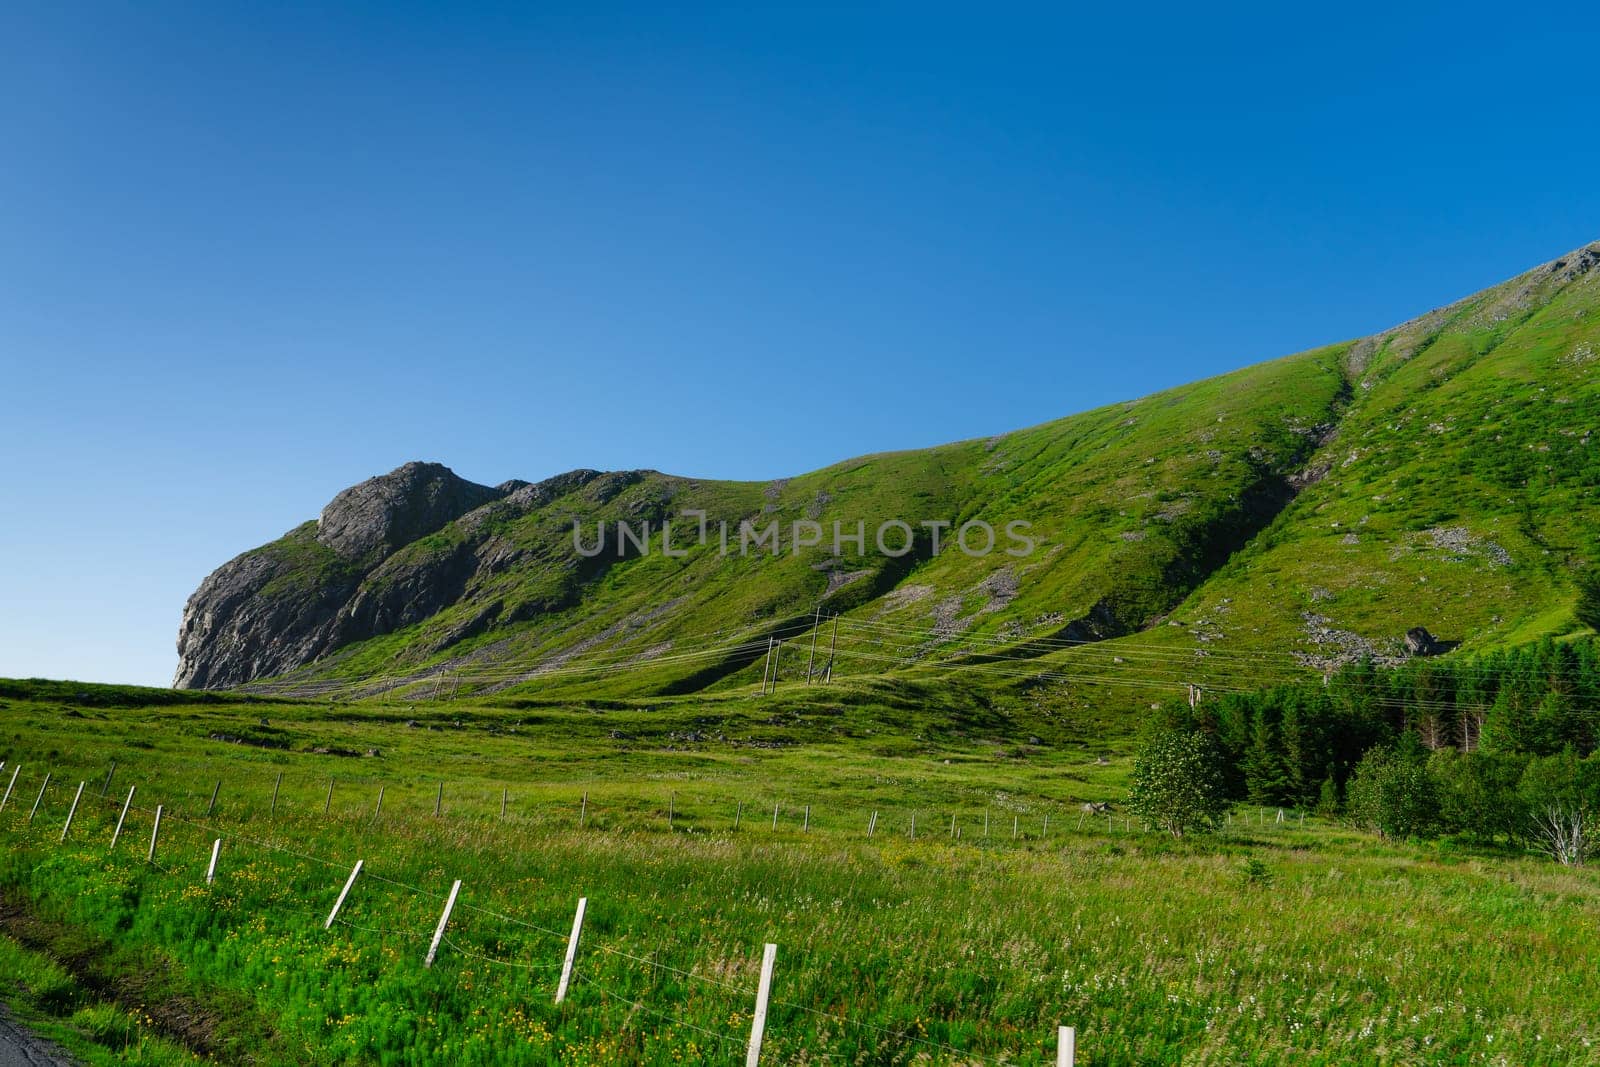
(146, 984)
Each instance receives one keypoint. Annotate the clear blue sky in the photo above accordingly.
(251, 254)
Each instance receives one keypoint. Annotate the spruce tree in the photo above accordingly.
(1264, 777)
(1588, 608)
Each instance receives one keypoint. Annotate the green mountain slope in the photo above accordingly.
(1460, 492)
(1271, 521)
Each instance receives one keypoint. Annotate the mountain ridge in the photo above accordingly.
(1146, 507)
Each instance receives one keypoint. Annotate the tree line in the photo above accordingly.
(1494, 747)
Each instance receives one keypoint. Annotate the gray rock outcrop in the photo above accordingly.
(390, 511)
(287, 603)
(385, 554)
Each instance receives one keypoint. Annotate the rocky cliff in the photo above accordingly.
(328, 582)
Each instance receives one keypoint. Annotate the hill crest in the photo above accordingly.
(1452, 449)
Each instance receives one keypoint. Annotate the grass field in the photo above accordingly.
(1273, 943)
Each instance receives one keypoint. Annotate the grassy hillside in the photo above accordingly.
(1460, 493)
(1264, 524)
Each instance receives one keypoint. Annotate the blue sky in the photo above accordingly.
(251, 254)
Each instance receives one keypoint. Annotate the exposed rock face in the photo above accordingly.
(309, 592)
(249, 618)
(364, 569)
(392, 510)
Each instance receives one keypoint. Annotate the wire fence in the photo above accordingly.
(528, 963)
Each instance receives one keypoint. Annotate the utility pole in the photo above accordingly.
(766, 668)
(833, 643)
(816, 624)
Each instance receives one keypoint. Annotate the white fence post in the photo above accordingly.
(14, 772)
(377, 811)
(155, 831)
(211, 871)
(125, 805)
(72, 810)
(444, 920)
(334, 914)
(39, 798)
(1066, 1046)
(572, 950)
(758, 1023)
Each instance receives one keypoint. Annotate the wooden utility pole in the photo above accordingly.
(833, 644)
(816, 624)
(766, 668)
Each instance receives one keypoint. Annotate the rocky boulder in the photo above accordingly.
(1419, 642)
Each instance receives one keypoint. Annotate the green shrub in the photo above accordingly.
(1391, 792)
(1178, 783)
(1255, 873)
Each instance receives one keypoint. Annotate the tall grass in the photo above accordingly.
(892, 951)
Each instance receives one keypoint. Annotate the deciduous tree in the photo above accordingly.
(1178, 784)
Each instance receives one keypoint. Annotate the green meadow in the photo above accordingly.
(1300, 941)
